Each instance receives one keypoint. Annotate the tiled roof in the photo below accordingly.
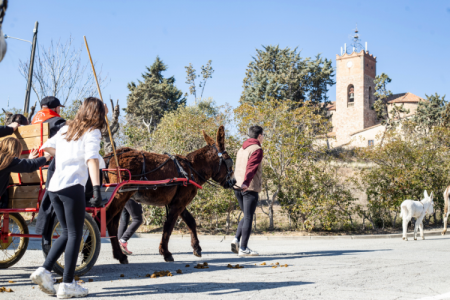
(332, 106)
(404, 98)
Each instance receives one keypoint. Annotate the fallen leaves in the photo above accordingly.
(3, 289)
(122, 275)
(263, 264)
(157, 274)
(235, 267)
(187, 266)
(77, 278)
(202, 266)
(91, 280)
(179, 271)
(11, 281)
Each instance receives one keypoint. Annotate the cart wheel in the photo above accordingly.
(13, 250)
(89, 247)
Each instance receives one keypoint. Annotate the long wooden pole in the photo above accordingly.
(119, 177)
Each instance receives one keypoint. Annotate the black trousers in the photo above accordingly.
(133, 209)
(69, 206)
(247, 201)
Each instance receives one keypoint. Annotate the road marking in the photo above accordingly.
(437, 297)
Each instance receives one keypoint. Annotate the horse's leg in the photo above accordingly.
(113, 226)
(192, 225)
(174, 213)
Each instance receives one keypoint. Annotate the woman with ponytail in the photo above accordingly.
(76, 147)
(10, 150)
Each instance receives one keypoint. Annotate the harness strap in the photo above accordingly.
(180, 169)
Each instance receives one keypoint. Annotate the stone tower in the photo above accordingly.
(355, 74)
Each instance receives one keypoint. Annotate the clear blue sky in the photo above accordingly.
(411, 39)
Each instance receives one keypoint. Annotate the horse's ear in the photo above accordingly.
(208, 139)
(221, 138)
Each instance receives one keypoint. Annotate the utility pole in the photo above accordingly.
(30, 70)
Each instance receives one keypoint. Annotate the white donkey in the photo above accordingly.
(418, 210)
(446, 212)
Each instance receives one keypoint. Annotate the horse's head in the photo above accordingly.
(224, 174)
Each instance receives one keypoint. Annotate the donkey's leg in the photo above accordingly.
(405, 228)
(416, 225)
(113, 226)
(445, 224)
(174, 213)
(421, 229)
(192, 225)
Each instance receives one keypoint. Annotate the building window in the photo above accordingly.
(350, 95)
(370, 143)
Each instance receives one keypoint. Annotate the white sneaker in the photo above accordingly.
(235, 246)
(71, 290)
(247, 252)
(44, 279)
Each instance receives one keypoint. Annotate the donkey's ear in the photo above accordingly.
(208, 139)
(221, 138)
(425, 194)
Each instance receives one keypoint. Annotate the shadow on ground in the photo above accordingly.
(213, 288)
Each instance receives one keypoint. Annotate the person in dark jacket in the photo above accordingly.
(51, 108)
(10, 150)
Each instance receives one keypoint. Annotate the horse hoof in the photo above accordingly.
(443, 233)
(415, 239)
(124, 261)
(169, 258)
(198, 253)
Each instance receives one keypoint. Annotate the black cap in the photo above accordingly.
(51, 102)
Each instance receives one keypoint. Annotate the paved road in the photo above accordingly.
(317, 269)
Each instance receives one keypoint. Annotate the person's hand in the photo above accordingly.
(34, 153)
(244, 187)
(96, 200)
(47, 156)
(14, 125)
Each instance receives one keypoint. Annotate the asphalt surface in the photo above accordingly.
(341, 268)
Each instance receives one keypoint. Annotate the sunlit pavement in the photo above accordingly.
(317, 269)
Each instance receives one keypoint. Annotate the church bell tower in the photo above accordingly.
(355, 73)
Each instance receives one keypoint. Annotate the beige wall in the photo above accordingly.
(362, 139)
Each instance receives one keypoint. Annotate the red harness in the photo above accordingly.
(43, 115)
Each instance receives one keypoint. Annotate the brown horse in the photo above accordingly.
(211, 161)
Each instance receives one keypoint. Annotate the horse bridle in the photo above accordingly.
(229, 182)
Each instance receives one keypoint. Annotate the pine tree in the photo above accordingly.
(431, 113)
(282, 74)
(151, 98)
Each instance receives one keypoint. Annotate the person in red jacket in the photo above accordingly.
(248, 173)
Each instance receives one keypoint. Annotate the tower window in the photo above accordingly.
(351, 95)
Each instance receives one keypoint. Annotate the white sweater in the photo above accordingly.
(71, 158)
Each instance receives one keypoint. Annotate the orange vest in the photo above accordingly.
(43, 115)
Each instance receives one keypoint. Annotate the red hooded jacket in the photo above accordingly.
(253, 162)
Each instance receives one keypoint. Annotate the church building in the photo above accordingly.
(353, 117)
